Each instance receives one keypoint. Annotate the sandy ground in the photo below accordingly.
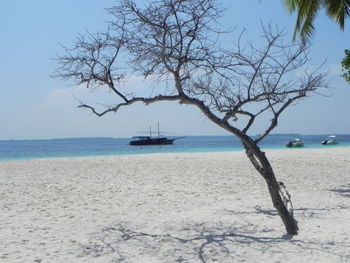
(202, 207)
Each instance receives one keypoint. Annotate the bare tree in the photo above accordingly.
(179, 40)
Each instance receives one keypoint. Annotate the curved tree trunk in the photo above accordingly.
(278, 193)
(279, 196)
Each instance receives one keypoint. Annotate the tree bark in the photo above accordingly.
(280, 200)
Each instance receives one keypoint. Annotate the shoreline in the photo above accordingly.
(193, 151)
(194, 207)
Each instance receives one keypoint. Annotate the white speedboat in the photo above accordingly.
(297, 142)
(330, 140)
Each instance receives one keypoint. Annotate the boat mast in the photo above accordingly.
(150, 131)
(158, 129)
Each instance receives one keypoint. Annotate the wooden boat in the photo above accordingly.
(150, 140)
(147, 140)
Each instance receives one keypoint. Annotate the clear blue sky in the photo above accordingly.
(35, 106)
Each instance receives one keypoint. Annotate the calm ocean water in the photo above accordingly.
(75, 147)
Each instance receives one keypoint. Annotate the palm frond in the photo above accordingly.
(292, 5)
(337, 10)
(307, 11)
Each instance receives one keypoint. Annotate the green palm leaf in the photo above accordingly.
(337, 10)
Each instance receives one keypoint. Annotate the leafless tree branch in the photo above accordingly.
(181, 41)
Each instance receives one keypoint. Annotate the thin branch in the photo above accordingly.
(130, 102)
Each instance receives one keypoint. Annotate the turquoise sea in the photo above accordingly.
(75, 147)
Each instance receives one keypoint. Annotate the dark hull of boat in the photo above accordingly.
(329, 142)
(294, 144)
(156, 141)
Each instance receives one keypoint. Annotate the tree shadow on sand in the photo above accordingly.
(344, 190)
(201, 242)
(305, 212)
(194, 242)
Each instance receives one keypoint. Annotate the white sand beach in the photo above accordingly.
(186, 207)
